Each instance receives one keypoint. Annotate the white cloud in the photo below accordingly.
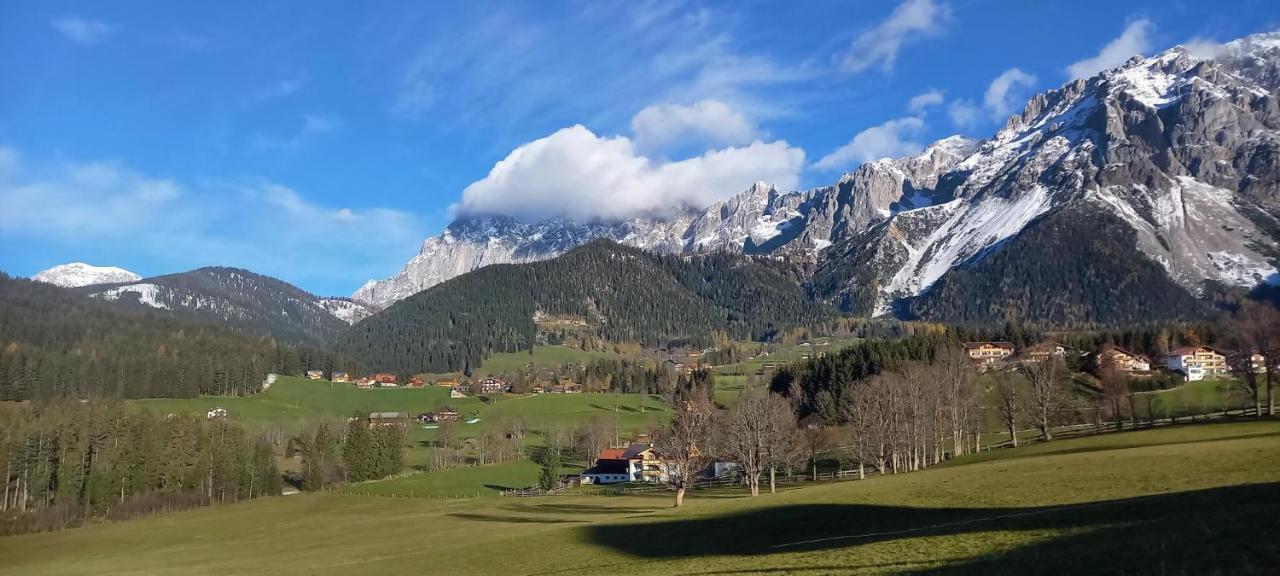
(888, 140)
(1134, 41)
(925, 100)
(82, 30)
(709, 122)
(106, 210)
(964, 113)
(1005, 92)
(1202, 48)
(910, 21)
(578, 174)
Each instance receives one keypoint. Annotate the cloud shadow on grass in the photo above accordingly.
(1229, 530)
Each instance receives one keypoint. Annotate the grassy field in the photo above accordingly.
(471, 481)
(785, 355)
(540, 357)
(1191, 398)
(292, 401)
(1191, 499)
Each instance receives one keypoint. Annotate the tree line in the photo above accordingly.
(56, 342)
(67, 460)
(334, 452)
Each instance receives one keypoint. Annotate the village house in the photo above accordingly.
(1257, 363)
(218, 413)
(315, 375)
(1197, 362)
(341, 377)
(491, 386)
(387, 418)
(448, 382)
(1043, 351)
(638, 462)
(986, 354)
(1123, 359)
(364, 382)
(416, 382)
(448, 414)
(457, 393)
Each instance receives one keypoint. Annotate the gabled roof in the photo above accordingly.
(635, 449)
(1008, 345)
(613, 454)
(1189, 350)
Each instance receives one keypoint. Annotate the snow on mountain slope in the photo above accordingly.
(78, 274)
(346, 310)
(1195, 231)
(145, 293)
(1185, 150)
(759, 220)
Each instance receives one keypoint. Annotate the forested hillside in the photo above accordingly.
(55, 341)
(1063, 271)
(620, 293)
(240, 299)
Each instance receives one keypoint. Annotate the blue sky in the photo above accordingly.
(322, 142)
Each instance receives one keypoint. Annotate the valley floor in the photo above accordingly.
(1189, 499)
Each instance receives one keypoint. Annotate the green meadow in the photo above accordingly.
(1199, 498)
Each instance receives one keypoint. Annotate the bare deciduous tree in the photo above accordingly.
(758, 433)
(685, 444)
(1254, 328)
(1115, 387)
(1009, 403)
(1048, 395)
(958, 378)
(596, 435)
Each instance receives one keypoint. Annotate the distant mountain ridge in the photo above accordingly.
(240, 299)
(1176, 154)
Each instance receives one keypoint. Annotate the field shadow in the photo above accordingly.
(513, 519)
(1136, 443)
(502, 488)
(618, 408)
(1229, 530)
(580, 509)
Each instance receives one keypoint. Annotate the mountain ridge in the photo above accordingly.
(1183, 149)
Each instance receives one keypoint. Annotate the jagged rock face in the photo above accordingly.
(760, 220)
(1183, 150)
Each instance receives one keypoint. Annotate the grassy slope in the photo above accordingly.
(540, 357)
(292, 401)
(1208, 498)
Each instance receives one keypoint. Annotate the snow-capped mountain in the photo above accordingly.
(760, 220)
(241, 299)
(1184, 150)
(80, 274)
(1177, 155)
